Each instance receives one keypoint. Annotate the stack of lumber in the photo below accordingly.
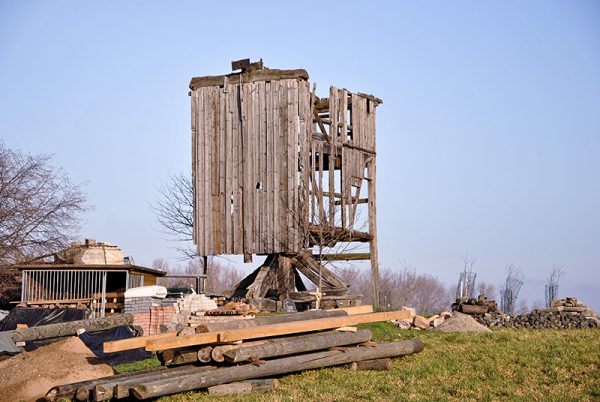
(240, 356)
(233, 308)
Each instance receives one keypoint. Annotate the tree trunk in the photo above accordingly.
(194, 379)
(70, 328)
(297, 344)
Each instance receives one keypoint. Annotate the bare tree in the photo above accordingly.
(404, 287)
(40, 212)
(552, 286)
(174, 209)
(486, 289)
(161, 264)
(40, 208)
(466, 281)
(509, 291)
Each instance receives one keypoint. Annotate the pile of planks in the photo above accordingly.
(239, 356)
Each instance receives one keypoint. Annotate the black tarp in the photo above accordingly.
(35, 317)
(94, 341)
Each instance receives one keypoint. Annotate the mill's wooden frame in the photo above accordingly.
(277, 170)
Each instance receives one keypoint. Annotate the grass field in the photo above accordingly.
(515, 365)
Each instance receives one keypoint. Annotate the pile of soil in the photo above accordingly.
(29, 375)
(462, 323)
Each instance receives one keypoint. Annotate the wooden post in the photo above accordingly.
(371, 172)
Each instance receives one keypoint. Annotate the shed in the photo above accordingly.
(95, 273)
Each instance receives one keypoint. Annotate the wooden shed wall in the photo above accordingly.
(250, 162)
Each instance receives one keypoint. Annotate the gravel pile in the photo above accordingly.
(462, 323)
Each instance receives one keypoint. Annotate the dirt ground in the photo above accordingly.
(28, 376)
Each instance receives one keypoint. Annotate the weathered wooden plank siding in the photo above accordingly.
(246, 141)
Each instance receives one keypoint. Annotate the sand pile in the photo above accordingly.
(28, 376)
(462, 323)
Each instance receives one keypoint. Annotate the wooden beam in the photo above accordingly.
(311, 325)
(264, 331)
(367, 308)
(355, 201)
(134, 343)
(182, 341)
(342, 235)
(344, 257)
(250, 76)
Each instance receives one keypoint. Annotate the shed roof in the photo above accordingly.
(92, 267)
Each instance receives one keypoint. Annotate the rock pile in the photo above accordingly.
(564, 313)
(419, 322)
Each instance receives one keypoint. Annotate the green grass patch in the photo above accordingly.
(516, 365)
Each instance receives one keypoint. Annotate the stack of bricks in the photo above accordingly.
(194, 303)
(158, 316)
(150, 312)
(135, 305)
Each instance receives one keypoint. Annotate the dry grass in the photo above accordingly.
(516, 365)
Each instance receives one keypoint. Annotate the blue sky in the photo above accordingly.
(488, 138)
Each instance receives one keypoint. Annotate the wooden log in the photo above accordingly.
(367, 308)
(204, 355)
(185, 356)
(244, 387)
(377, 364)
(120, 388)
(165, 356)
(133, 343)
(265, 331)
(218, 352)
(473, 309)
(274, 319)
(298, 344)
(68, 391)
(70, 328)
(195, 380)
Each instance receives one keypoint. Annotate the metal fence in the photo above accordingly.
(47, 285)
